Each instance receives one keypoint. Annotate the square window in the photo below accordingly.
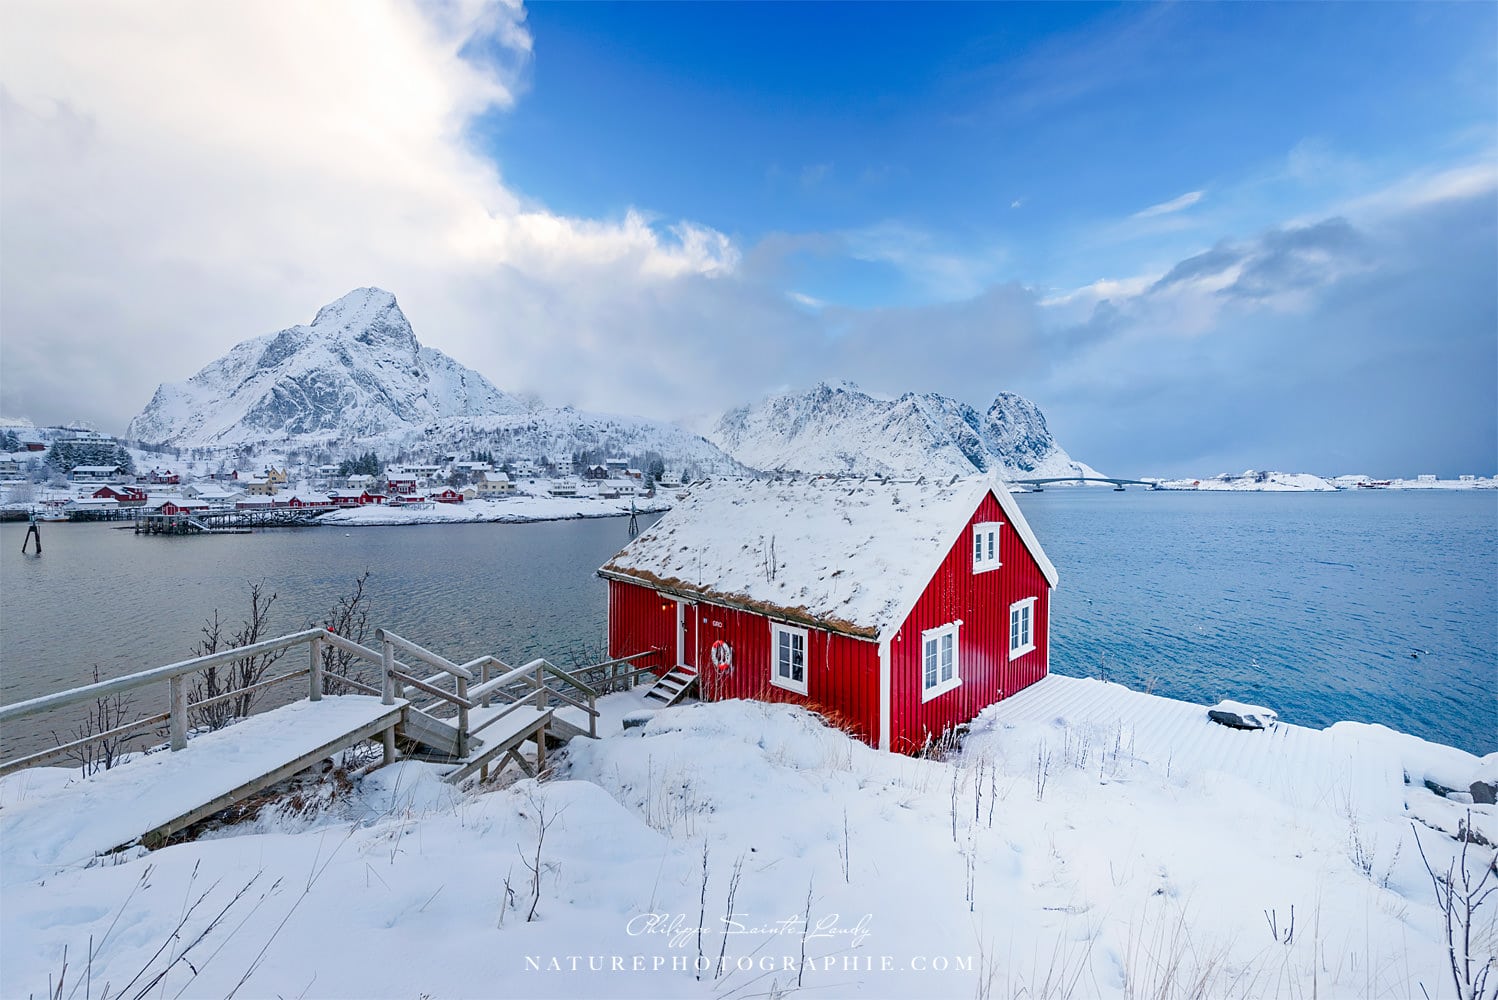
(940, 668)
(788, 649)
(986, 546)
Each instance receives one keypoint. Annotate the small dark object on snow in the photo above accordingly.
(635, 720)
(1238, 716)
(1485, 793)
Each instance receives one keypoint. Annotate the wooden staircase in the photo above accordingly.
(673, 686)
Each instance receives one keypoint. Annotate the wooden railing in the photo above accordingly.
(450, 689)
(177, 677)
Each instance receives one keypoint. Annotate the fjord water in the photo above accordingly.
(1373, 606)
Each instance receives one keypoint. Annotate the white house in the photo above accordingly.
(494, 484)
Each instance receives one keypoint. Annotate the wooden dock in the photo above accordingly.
(472, 717)
(226, 522)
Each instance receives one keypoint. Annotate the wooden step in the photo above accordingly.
(672, 686)
(523, 724)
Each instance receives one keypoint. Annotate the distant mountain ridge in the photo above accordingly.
(356, 378)
(842, 429)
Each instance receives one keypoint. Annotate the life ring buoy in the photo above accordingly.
(722, 656)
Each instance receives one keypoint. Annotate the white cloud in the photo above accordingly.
(194, 174)
(1170, 207)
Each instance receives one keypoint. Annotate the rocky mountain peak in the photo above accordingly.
(836, 427)
(369, 316)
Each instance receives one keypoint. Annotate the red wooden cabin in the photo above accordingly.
(897, 610)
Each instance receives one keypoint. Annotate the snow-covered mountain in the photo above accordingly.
(357, 378)
(842, 429)
(356, 372)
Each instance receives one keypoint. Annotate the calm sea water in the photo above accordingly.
(1310, 604)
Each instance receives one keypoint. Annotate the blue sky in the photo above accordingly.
(1203, 237)
(1018, 141)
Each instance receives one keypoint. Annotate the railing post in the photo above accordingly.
(316, 693)
(484, 673)
(387, 660)
(179, 713)
(462, 717)
(541, 682)
(592, 715)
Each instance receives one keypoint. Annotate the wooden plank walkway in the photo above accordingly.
(149, 798)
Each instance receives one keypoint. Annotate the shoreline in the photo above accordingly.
(532, 510)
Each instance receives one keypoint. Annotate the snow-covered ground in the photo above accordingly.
(518, 508)
(1088, 841)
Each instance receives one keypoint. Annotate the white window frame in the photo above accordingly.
(1026, 609)
(933, 637)
(776, 630)
(987, 545)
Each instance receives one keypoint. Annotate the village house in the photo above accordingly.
(176, 505)
(214, 496)
(303, 498)
(897, 610)
(596, 472)
(258, 487)
(494, 484)
(354, 498)
(447, 495)
(401, 484)
(124, 496)
(96, 473)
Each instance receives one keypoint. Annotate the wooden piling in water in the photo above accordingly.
(33, 530)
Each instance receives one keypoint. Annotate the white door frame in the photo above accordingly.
(681, 631)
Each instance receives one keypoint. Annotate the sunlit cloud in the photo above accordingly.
(1170, 207)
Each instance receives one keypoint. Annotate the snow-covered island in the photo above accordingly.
(1085, 840)
(1257, 481)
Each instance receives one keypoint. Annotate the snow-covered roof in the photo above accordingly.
(847, 555)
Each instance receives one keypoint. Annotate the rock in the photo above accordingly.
(636, 720)
(1485, 782)
(1240, 716)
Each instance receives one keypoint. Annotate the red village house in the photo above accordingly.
(897, 610)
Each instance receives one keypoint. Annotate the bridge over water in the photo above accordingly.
(1118, 484)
